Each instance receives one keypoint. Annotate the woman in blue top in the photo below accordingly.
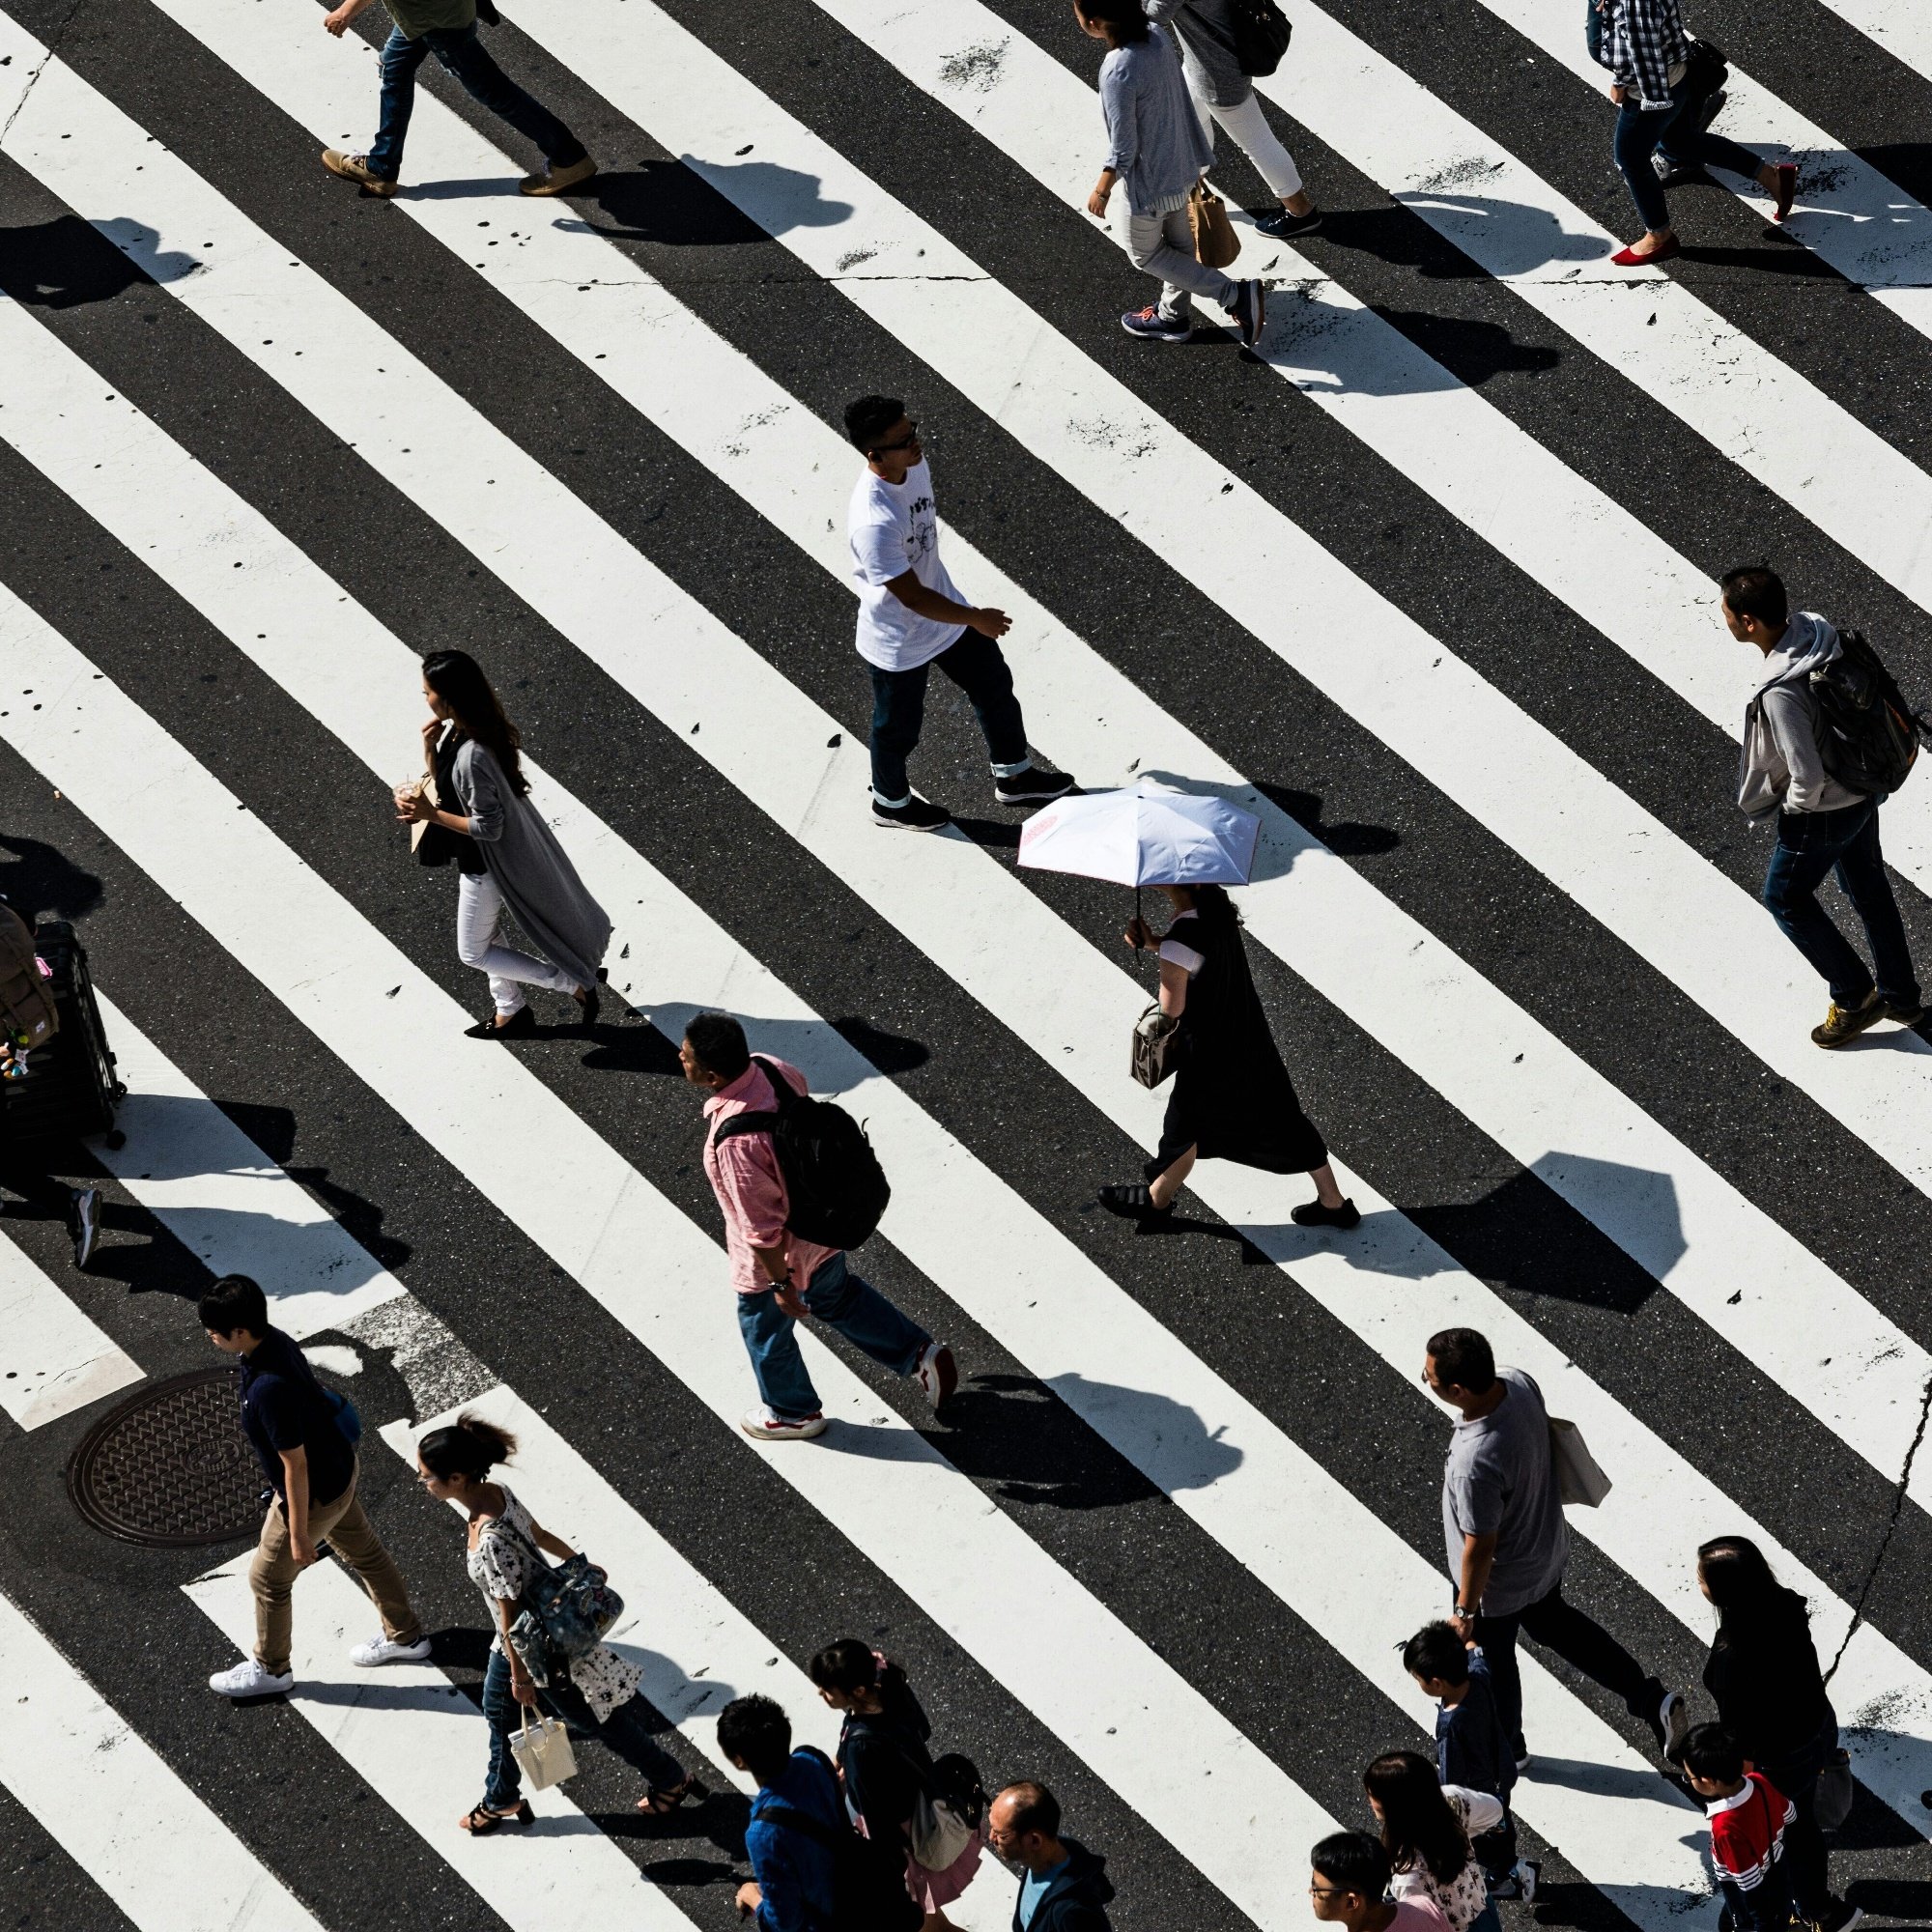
(1157, 151)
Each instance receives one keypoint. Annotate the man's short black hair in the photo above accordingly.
(868, 419)
(235, 1301)
(1437, 1652)
(1035, 1809)
(1756, 590)
(1710, 1750)
(719, 1042)
(757, 1730)
(1464, 1357)
(1353, 1862)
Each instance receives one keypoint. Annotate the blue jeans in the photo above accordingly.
(466, 57)
(842, 1300)
(1677, 133)
(978, 666)
(627, 1731)
(1845, 841)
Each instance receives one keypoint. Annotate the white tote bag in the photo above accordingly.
(543, 1753)
(1580, 1479)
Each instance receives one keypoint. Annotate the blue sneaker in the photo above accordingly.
(1151, 326)
(1250, 311)
(1286, 227)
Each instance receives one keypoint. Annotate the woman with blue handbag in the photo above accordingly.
(586, 1684)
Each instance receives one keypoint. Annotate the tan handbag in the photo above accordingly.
(543, 1751)
(1156, 1051)
(1579, 1478)
(425, 790)
(1215, 242)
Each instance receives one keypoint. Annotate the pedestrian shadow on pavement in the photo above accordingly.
(65, 264)
(41, 878)
(686, 207)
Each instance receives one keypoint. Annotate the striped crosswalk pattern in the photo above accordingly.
(1418, 588)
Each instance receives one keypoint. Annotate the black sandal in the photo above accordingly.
(482, 1821)
(660, 1800)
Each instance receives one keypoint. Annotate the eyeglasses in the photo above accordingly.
(1328, 1890)
(905, 441)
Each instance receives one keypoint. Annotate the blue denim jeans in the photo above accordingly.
(627, 1731)
(1810, 845)
(978, 667)
(466, 57)
(1676, 131)
(842, 1300)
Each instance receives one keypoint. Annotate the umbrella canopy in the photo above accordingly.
(1144, 836)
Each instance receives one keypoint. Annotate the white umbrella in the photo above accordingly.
(1144, 836)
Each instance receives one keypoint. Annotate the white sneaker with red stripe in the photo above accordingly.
(768, 1426)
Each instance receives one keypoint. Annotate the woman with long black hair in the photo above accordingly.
(1426, 1828)
(1763, 1672)
(1231, 1097)
(508, 859)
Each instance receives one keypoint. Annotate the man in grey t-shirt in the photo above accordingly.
(1507, 1543)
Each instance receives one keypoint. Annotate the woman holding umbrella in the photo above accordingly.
(1232, 1098)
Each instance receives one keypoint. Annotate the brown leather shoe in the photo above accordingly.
(355, 168)
(1844, 1024)
(558, 181)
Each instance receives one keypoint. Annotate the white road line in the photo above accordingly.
(118, 1808)
(54, 1360)
(1902, 27)
(1071, 1660)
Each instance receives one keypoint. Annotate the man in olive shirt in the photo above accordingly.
(447, 29)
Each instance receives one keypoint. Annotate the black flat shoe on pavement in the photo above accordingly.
(520, 1025)
(589, 1004)
(1132, 1202)
(1311, 1215)
(1033, 786)
(917, 814)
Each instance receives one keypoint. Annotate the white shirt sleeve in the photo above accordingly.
(1184, 957)
(1480, 1811)
(879, 551)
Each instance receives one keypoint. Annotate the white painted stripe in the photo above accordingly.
(1752, 408)
(1105, 719)
(54, 1360)
(1903, 28)
(413, 1737)
(117, 1808)
(1070, 1661)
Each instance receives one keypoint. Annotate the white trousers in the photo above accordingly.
(1250, 130)
(479, 912)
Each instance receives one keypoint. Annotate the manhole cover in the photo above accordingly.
(170, 1466)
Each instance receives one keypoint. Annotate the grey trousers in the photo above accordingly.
(1164, 246)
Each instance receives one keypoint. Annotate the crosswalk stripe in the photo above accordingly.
(54, 1360)
(1068, 1659)
(1903, 28)
(143, 1837)
(1325, 939)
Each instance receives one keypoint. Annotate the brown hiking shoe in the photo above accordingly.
(355, 168)
(1844, 1024)
(557, 180)
(1906, 1016)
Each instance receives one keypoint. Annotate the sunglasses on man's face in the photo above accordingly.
(905, 441)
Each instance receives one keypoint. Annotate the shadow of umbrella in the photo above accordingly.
(1636, 1207)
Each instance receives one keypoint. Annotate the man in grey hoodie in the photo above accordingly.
(1821, 826)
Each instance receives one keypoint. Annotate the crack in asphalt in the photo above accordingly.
(34, 78)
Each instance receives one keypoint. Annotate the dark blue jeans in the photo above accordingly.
(842, 1300)
(1810, 845)
(978, 667)
(627, 1731)
(1676, 130)
(466, 57)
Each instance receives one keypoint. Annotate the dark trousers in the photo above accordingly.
(1675, 130)
(1796, 1776)
(627, 1731)
(1810, 845)
(36, 1187)
(466, 57)
(978, 667)
(1580, 1640)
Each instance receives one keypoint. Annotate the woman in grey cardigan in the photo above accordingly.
(507, 857)
(1223, 93)
(1157, 151)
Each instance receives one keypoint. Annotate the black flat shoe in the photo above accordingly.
(1132, 1202)
(1311, 1215)
(589, 1004)
(519, 1026)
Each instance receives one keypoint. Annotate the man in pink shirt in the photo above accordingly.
(1347, 1888)
(781, 1279)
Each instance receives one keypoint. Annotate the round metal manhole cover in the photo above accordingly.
(170, 1466)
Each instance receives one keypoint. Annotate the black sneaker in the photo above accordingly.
(84, 1224)
(1132, 1201)
(914, 815)
(1311, 1215)
(1842, 1918)
(1287, 227)
(1250, 311)
(1033, 786)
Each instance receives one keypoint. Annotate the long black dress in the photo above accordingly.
(1232, 1096)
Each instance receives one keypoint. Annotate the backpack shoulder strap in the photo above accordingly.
(761, 1121)
(805, 1824)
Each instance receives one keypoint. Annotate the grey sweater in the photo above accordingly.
(1779, 768)
(1155, 143)
(1206, 32)
(539, 884)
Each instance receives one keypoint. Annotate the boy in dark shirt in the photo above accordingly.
(291, 1420)
(1474, 1746)
(792, 1868)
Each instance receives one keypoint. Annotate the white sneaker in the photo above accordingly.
(1527, 1871)
(249, 1679)
(1673, 1717)
(937, 1373)
(767, 1427)
(380, 1650)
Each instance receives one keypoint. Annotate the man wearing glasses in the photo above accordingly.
(1351, 1872)
(912, 618)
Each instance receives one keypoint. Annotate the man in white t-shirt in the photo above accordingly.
(912, 617)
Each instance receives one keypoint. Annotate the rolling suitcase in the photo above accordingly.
(70, 1088)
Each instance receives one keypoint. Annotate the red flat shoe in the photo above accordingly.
(1787, 188)
(1629, 258)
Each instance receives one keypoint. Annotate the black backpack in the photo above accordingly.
(1262, 33)
(1867, 735)
(837, 1187)
(869, 1888)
